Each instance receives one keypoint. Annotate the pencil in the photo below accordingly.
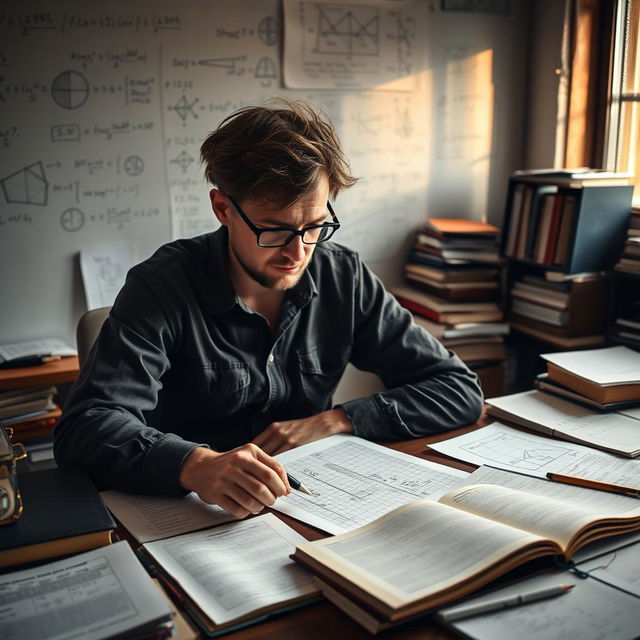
(595, 484)
(497, 604)
(296, 484)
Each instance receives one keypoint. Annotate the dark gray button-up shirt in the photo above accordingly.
(181, 362)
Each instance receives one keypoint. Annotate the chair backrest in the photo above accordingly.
(87, 330)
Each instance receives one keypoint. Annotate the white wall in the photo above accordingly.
(104, 107)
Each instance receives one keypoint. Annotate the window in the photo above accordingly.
(622, 146)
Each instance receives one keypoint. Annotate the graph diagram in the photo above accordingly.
(27, 186)
(351, 30)
(517, 452)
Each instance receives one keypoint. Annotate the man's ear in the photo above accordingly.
(221, 206)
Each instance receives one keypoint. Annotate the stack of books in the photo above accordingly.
(603, 379)
(566, 309)
(452, 287)
(31, 412)
(629, 261)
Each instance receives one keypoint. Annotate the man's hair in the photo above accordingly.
(274, 155)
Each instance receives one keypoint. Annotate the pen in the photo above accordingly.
(595, 484)
(497, 604)
(296, 484)
(28, 361)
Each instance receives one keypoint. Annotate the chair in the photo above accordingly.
(87, 330)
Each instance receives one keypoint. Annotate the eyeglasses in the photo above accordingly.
(280, 236)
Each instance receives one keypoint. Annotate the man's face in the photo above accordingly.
(277, 268)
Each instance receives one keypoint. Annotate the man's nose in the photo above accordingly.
(295, 249)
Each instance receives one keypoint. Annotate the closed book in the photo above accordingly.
(540, 298)
(604, 375)
(29, 406)
(600, 393)
(465, 273)
(546, 384)
(480, 290)
(456, 227)
(62, 514)
(15, 396)
(556, 317)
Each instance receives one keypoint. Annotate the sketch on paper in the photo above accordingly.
(70, 89)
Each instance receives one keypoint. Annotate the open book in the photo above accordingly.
(233, 575)
(424, 555)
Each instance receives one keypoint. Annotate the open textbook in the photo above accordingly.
(424, 555)
(507, 448)
(614, 432)
(235, 574)
(104, 593)
(353, 481)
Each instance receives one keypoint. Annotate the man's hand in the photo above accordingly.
(288, 434)
(241, 481)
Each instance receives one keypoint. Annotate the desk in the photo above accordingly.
(56, 372)
(322, 620)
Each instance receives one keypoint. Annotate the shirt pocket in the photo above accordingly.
(320, 371)
(226, 384)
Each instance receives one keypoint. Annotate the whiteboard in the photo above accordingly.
(104, 107)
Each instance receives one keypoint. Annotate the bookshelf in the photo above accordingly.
(565, 225)
(561, 238)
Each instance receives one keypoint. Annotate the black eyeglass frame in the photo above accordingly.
(258, 231)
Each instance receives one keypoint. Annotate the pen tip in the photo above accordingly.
(568, 587)
(304, 490)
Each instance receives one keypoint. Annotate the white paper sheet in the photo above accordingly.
(94, 595)
(46, 346)
(590, 611)
(104, 269)
(357, 45)
(354, 481)
(501, 446)
(567, 420)
(149, 518)
(237, 568)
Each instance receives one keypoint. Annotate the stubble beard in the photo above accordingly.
(278, 283)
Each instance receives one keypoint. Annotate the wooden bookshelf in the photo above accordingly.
(565, 226)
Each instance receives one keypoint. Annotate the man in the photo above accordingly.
(223, 350)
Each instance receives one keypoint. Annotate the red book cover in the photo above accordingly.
(554, 229)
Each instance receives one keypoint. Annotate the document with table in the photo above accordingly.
(353, 481)
(97, 594)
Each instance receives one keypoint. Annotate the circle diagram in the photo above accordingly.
(70, 89)
(72, 219)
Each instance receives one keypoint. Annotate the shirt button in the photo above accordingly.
(271, 358)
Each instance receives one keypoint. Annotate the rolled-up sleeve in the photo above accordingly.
(428, 389)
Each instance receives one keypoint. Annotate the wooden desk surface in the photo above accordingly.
(56, 372)
(322, 620)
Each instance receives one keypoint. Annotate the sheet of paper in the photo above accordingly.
(46, 346)
(353, 481)
(104, 269)
(590, 611)
(149, 518)
(237, 568)
(501, 446)
(613, 365)
(94, 595)
(562, 417)
(357, 45)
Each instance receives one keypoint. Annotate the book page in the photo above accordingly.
(353, 481)
(148, 517)
(547, 517)
(562, 418)
(98, 594)
(507, 448)
(237, 568)
(418, 550)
